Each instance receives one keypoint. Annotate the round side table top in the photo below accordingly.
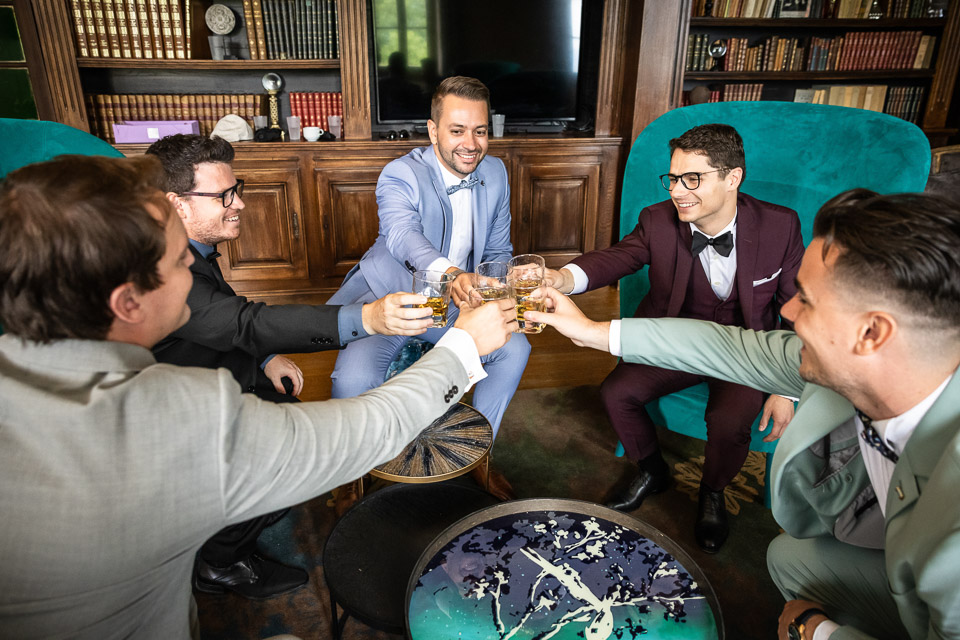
(563, 569)
(454, 444)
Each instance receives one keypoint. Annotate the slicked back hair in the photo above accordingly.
(72, 230)
(462, 87)
(720, 143)
(905, 247)
(181, 154)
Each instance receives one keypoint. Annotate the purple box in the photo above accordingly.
(152, 130)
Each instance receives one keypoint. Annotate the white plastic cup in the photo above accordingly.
(293, 128)
(334, 125)
(311, 133)
(498, 120)
(259, 122)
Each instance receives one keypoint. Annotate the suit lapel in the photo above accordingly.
(747, 248)
(681, 275)
(433, 166)
(480, 218)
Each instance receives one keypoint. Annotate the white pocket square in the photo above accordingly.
(759, 282)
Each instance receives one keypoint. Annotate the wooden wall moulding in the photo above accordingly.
(355, 69)
(54, 28)
(948, 66)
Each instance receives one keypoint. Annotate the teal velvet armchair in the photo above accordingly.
(797, 155)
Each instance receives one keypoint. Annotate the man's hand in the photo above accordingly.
(460, 287)
(791, 610)
(389, 316)
(279, 368)
(566, 318)
(780, 409)
(490, 325)
(561, 280)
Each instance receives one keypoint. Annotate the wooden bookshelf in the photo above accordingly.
(194, 64)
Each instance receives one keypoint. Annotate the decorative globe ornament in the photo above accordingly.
(220, 19)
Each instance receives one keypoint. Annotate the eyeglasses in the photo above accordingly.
(690, 180)
(225, 196)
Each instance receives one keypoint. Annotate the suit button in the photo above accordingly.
(454, 389)
(250, 389)
(354, 334)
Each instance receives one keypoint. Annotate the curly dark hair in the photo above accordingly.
(180, 155)
(72, 230)
(720, 143)
(906, 247)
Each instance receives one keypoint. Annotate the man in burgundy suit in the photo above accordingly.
(714, 254)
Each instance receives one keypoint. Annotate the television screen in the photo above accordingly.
(531, 54)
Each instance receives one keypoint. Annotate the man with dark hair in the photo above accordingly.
(714, 253)
(444, 207)
(227, 330)
(864, 480)
(114, 469)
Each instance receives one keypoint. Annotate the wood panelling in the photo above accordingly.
(47, 34)
(354, 69)
(352, 223)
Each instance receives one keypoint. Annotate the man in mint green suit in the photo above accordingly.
(865, 480)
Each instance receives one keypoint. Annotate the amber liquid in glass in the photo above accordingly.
(523, 289)
(438, 306)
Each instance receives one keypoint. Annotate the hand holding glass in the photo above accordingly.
(489, 282)
(526, 276)
(435, 285)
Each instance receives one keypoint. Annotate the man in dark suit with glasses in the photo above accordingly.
(716, 254)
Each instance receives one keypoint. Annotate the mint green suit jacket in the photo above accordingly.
(818, 477)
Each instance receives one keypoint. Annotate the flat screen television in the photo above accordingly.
(539, 58)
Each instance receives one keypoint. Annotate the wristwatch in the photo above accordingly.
(798, 626)
(455, 274)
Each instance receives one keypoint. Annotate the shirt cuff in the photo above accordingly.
(825, 629)
(263, 365)
(790, 398)
(440, 264)
(580, 279)
(350, 323)
(463, 346)
(615, 338)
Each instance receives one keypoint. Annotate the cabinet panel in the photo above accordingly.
(272, 244)
(348, 214)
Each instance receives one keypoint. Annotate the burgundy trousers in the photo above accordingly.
(731, 410)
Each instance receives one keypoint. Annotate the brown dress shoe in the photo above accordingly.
(346, 497)
(499, 487)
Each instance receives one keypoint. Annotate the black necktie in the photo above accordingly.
(464, 184)
(723, 243)
(872, 438)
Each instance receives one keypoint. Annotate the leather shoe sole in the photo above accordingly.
(255, 578)
(645, 484)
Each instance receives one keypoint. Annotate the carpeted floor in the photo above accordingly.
(552, 443)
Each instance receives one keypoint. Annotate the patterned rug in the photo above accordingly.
(552, 443)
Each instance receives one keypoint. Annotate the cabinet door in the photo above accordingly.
(272, 243)
(555, 205)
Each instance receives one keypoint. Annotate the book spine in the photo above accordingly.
(153, 10)
(133, 23)
(90, 24)
(166, 30)
(101, 28)
(123, 26)
(248, 24)
(176, 26)
(258, 28)
(113, 35)
(270, 24)
(79, 29)
(188, 28)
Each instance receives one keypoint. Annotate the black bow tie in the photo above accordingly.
(464, 184)
(213, 257)
(873, 438)
(723, 243)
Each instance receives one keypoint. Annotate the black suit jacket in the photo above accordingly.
(227, 330)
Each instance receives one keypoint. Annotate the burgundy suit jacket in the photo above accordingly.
(769, 250)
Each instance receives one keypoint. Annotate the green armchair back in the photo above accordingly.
(797, 155)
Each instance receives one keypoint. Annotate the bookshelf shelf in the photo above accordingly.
(125, 63)
(810, 76)
(819, 23)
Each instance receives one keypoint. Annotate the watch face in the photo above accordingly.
(793, 632)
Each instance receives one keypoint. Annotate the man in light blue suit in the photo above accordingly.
(865, 478)
(445, 207)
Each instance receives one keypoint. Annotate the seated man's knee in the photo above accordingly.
(516, 349)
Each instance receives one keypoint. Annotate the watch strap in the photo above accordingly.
(800, 621)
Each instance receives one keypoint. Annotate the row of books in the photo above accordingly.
(145, 29)
(850, 52)
(314, 107)
(103, 110)
(292, 29)
(698, 53)
(902, 102)
(728, 93)
(846, 9)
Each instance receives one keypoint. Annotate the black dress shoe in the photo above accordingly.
(711, 529)
(645, 484)
(256, 578)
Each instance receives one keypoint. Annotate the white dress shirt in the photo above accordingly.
(720, 270)
(461, 236)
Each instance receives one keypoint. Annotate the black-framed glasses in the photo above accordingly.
(690, 180)
(225, 196)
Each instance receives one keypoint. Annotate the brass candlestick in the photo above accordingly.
(272, 82)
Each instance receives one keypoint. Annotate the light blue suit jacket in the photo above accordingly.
(416, 222)
(819, 484)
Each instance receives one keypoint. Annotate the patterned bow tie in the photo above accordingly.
(872, 438)
(464, 184)
(723, 244)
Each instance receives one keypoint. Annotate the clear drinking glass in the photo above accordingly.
(526, 276)
(435, 285)
(490, 282)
